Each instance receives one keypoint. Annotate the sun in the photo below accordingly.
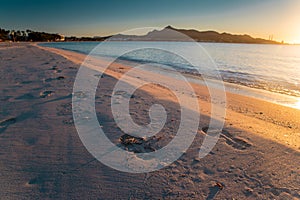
(295, 42)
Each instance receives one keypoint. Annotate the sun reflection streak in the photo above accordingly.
(297, 104)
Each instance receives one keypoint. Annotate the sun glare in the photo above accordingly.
(296, 42)
(297, 104)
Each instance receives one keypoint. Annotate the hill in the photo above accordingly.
(170, 33)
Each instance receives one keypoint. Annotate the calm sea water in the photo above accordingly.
(272, 68)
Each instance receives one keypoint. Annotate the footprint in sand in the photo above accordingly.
(55, 69)
(52, 79)
(25, 97)
(5, 123)
(48, 80)
(58, 71)
(124, 94)
(99, 75)
(35, 181)
(31, 140)
(26, 82)
(64, 109)
(214, 190)
(46, 94)
(68, 121)
(235, 142)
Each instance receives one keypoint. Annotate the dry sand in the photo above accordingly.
(256, 157)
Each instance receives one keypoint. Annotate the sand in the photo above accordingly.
(256, 157)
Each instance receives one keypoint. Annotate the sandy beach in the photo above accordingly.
(42, 156)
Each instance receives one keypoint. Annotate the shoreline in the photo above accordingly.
(280, 97)
(257, 112)
(243, 90)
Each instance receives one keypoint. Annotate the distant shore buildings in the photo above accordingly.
(29, 36)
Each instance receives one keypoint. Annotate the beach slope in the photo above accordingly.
(42, 157)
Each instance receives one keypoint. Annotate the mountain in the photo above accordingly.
(170, 33)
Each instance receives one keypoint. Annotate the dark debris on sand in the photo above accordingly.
(138, 144)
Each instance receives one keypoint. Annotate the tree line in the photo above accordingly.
(28, 36)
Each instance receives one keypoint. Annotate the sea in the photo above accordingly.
(268, 72)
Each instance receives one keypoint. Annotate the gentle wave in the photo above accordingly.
(275, 68)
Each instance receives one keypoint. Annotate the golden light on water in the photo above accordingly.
(297, 104)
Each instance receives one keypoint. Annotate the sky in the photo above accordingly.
(280, 18)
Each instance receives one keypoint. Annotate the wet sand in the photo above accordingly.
(256, 157)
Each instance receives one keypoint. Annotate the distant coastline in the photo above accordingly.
(195, 35)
